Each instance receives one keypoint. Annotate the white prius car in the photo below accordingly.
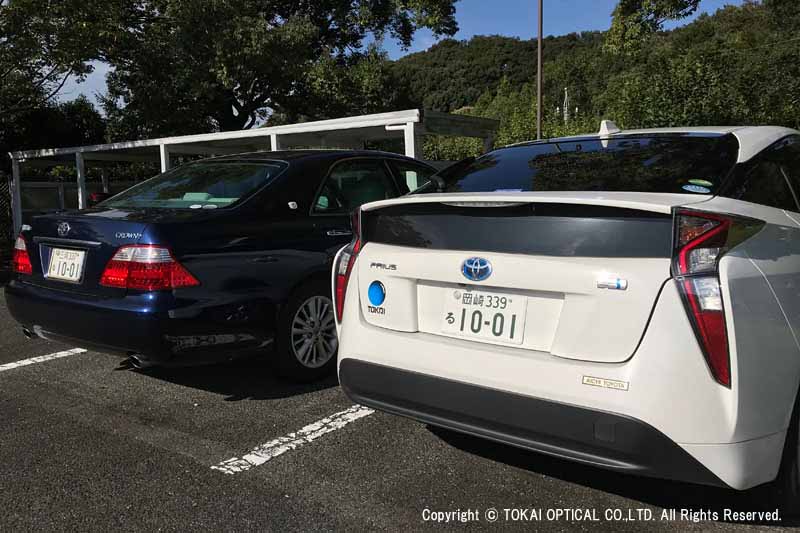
(628, 300)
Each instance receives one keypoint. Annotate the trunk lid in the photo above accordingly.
(577, 274)
(95, 235)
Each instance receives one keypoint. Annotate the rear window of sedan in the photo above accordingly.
(209, 185)
(668, 163)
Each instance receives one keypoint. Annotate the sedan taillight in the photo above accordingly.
(701, 239)
(20, 260)
(344, 266)
(146, 267)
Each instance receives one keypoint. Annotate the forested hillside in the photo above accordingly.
(738, 66)
(453, 74)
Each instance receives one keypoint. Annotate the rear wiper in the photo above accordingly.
(440, 182)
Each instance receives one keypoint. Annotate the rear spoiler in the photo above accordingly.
(655, 202)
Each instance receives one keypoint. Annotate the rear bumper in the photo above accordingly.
(160, 332)
(737, 433)
(580, 434)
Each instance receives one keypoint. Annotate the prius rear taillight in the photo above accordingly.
(701, 239)
(20, 260)
(344, 266)
(147, 268)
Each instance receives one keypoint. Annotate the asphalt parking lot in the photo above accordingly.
(89, 443)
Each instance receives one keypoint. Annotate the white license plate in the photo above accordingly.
(66, 265)
(484, 315)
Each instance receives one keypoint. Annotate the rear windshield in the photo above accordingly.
(199, 186)
(655, 163)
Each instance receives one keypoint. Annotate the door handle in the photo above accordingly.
(338, 232)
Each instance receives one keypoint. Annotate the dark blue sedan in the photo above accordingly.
(206, 262)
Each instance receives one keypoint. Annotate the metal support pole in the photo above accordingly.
(104, 180)
(539, 77)
(488, 143)
(79, 164)
(164, 152)
(409, 140)
(275, 144)
(419, 144)
(16, 197)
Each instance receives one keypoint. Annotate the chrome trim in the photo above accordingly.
(68, 242)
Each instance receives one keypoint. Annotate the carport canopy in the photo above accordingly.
(349, 132)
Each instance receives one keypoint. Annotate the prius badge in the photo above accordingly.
(476, 268)
(63, 229)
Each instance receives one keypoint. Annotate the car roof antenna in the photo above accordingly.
(608, 127)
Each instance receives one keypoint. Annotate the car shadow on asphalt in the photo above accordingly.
(249, 378)
(661, 493)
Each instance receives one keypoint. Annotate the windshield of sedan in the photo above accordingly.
(667, 163)
(204, 185)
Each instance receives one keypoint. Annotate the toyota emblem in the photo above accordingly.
(476, 269)
(63, 229)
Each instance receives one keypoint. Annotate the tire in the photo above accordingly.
(306, 344)
(786, 489)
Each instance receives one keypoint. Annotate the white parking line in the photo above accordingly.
(40, 359)
(272, 449)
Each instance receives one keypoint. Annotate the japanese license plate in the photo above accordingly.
(484, 315)
(66, 265)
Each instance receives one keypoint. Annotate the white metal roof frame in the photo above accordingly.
(347, 132)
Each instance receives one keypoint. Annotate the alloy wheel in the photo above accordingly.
(314, 339)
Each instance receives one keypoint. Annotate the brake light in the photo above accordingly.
(344, 265)
(20, 260)
(701, 239)
(147, 268)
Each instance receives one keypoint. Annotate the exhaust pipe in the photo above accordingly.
(28, 333)
(139, 363)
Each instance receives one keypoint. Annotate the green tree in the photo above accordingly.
(635, 20)
(181, 66)
(42, 44)
(357, 83)
(736, 67)
(52, 125)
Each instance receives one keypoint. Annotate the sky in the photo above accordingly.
(513, 18)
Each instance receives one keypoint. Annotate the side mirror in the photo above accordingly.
(97, 197)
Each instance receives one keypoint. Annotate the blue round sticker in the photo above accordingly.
(376, 293)
(696, 188)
